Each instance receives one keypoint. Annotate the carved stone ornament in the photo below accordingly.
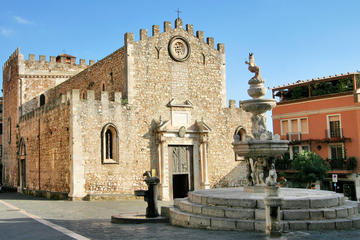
(182, 131)
(179, 49)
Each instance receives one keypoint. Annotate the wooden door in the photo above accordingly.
(181, 161)
(23, 173)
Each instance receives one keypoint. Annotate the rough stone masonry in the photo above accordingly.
(89, 131)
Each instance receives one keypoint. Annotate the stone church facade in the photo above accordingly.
(90, 131)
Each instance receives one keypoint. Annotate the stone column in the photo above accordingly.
(164, 169)
(77, 164)
(204, 141)
(197, 166)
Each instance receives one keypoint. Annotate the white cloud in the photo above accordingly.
(5, 31)
(22, 20)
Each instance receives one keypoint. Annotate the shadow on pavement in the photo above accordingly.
(20, 196)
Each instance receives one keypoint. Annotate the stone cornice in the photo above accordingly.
(44, 76)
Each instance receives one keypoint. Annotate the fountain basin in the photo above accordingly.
(260, 148)
(258, 106)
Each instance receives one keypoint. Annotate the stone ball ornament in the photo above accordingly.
(179, 49)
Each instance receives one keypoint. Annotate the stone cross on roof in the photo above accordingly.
(178, 13)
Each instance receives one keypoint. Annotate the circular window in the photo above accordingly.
(179, 48)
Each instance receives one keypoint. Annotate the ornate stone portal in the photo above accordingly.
(182, 151)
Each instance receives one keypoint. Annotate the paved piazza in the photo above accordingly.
(24, 217)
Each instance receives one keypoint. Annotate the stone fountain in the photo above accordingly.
(261, 205)
(261, 145)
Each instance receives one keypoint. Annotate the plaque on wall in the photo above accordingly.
(182, 132)
(179, 48)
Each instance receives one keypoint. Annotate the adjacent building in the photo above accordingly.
(323, 115)
(90, 131)
(1, 130)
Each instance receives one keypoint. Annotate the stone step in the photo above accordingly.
(217, 211)
(185, 219)
(326, 201)
(349, 209)
(329, 224)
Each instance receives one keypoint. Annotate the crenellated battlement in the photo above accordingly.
(42, 59)
(143, 34)
(232, 104)
(61, 59)
(71, 97)
(15, 54)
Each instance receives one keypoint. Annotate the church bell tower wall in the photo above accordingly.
(10, 119)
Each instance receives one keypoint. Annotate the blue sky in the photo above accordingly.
(291, 39)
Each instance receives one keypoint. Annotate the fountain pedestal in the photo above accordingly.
(272, 211)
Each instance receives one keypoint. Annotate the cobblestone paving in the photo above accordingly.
(92, 220)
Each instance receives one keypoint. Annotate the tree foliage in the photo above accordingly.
(310, 166)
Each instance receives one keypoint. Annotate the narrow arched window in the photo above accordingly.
(42, 100)
(240, 134)
(110, 144)
(103, 86)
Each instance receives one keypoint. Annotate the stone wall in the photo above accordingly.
(45, 132)
(10, 117)
(108, 73)
(24, 80)
(144, 86)
(90, 117)
(38, 76)
(157, 79)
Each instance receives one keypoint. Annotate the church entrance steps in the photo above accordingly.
(238, 210)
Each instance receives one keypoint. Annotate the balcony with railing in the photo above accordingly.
(294, 136)
(337, 164)
(334, 133)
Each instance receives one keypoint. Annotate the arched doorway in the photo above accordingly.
(22, 164)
